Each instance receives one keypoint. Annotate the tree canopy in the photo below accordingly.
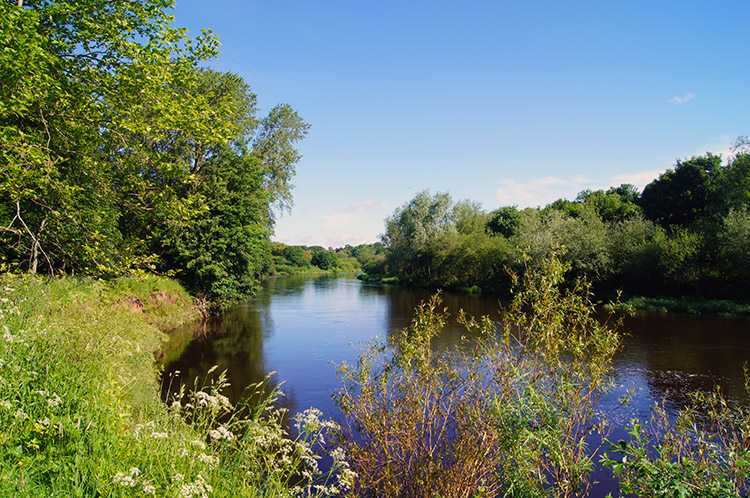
(118, 153)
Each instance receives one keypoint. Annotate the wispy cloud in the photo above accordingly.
(344, 239)
(639, 179)
(349, 215)
(681, 100)
(540, 191)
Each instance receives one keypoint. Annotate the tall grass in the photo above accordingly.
(80, 412)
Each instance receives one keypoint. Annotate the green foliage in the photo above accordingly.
(81, 415)
(273, 146)
(733, 249)
(684, 235)
(504, 221)
(325, 260)
(411, 228)
(584, 238)
(682, 195)
(704, 452)
(226, 250)
(80, 179)
(509, 417)
(117, 153)
(297, 256)
(371, 257)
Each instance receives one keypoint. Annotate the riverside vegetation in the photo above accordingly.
(516, 413)
(680, 244)
(81, 413)
(121, 157)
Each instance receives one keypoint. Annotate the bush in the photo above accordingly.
(704, 452)
(508, 416)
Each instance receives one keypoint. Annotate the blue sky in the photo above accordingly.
(504, 103)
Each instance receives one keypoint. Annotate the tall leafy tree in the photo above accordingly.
(225, 248)
(411, 229)
(90, 90)
(684, 194)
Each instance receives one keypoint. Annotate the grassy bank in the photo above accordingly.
(691, 305)
(80, 413)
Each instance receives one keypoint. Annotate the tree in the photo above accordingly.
(734, 184)
(273, 146)
(410, 229)
(296, 256)
(682, 195)
(325, 260)
(616, 204)
(90, 89)
(227, 249)
(504, 221)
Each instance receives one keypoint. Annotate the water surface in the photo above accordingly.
(302, 326)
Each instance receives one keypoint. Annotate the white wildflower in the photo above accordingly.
(338, 455)
(210, 461)
(160, 435)
(220, 432)
(123, 480)
(198, 488)
(200, 444)
(149, 489)
(134, 471)
(54, 401)
(178, 478)
(213, 402)
(45, 422)
(5, 404)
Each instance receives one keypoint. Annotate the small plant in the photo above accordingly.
(509, 414)
(704, 451)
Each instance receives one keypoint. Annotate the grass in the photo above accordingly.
(691, 305)
(80, 412)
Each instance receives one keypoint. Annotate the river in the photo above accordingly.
(302, 326)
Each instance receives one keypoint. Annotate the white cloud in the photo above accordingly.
(681, 100)
(349, 215)
(540, 191)
(639, 179)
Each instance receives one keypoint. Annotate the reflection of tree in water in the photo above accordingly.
(403, 301)
(682, 354)
(234, 342)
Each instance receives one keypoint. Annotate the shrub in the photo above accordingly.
(507, 415)
(705, 451)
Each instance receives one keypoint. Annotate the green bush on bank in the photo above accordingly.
(80, 412)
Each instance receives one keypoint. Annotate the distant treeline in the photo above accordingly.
(686, 234)
(312, 259)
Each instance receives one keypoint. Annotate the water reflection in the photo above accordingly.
(301, 326)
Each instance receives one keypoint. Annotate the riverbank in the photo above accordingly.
(691, 305)
(724, 308)
(80, 409)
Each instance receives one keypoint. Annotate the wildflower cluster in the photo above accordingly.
(132, 479)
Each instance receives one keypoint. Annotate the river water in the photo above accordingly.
(302, 326)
